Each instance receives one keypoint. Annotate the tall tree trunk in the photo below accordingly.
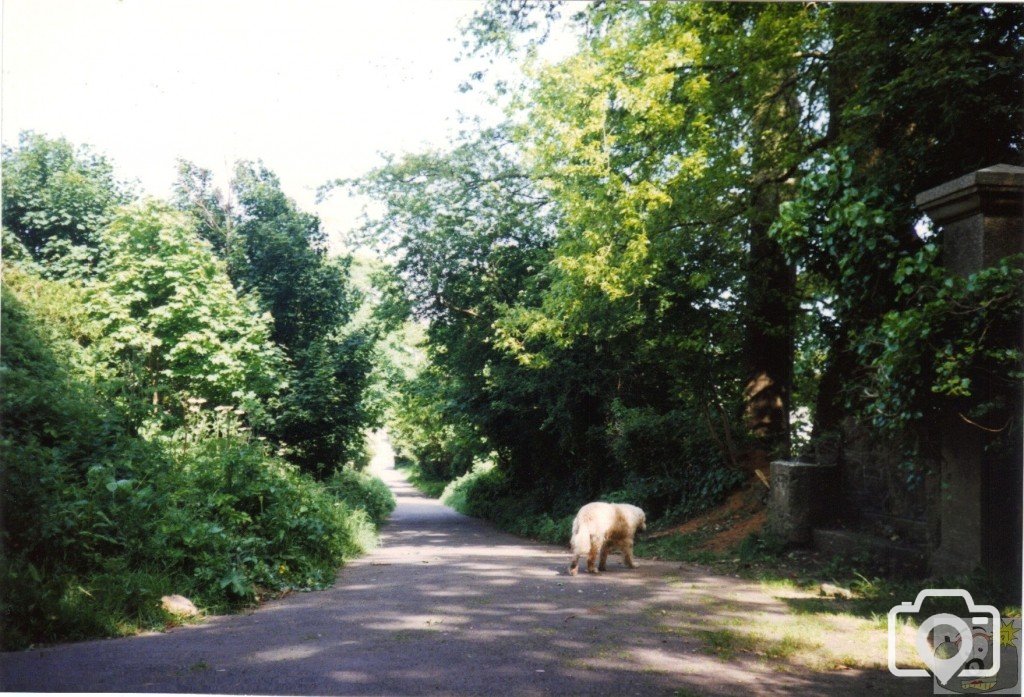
(770, 279)
(768, 343)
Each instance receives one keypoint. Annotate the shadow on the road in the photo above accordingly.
(448, 605)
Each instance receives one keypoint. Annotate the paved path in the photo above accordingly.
(449, 606)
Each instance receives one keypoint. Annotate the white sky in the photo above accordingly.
(316, 89)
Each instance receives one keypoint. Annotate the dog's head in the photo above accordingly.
(639, 518)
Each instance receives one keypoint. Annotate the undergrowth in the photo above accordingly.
(102, 516)
(485, 492)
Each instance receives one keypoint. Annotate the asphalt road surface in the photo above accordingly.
(448, 605)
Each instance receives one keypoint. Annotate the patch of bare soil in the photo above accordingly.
(724, 527)
(731, 537)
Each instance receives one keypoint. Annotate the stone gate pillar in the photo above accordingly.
(981, 219)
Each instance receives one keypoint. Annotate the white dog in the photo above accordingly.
(600, 527)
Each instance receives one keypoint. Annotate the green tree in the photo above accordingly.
(914, 96)
(325, 410)
(56, 198)
(667, 142)
(469, 231)
(168, 319)
(280, 252)
(276, 255)
(195, 194)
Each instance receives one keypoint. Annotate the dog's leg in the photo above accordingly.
(579, 544)
(604, 557)
(627, 555)
(592, 557)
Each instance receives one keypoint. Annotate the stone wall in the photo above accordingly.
(880, 495)
(858, 483)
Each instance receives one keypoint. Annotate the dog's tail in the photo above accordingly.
(580, 538)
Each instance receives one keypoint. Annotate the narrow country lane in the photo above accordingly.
(447, 605)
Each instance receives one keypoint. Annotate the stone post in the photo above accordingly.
(981, 221)
(802, 496)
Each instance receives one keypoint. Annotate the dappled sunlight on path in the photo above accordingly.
(448, 605)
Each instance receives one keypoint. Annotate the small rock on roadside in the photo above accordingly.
(836, 591)
(179, 605)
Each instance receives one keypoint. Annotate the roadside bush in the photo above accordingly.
(99, 521)
(244, 520)
(363, 492)
(674, 469)
(485, 492)
(476, 492)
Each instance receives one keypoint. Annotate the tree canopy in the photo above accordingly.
(717, 255)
